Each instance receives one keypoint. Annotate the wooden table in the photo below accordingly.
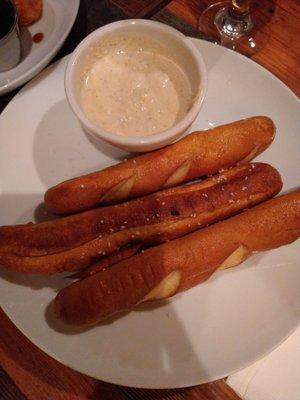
(281, 55)
(26, 371)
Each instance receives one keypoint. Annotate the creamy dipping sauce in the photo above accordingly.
(131, 88)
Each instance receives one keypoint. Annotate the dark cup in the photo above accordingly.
(10, 46)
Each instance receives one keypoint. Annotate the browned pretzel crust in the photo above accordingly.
(167, 269)
(198, 154)
(75, 242)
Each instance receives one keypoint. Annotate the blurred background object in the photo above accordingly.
(29, 11)
(236, 25)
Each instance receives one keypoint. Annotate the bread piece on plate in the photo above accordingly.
(75, 242)
(196, 155)
(162, 271)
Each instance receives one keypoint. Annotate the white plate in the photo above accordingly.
(206, 333)
(56, 22)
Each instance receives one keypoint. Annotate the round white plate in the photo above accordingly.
(206, 333)
(56, 22)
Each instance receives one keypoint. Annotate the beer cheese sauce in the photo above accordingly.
(130, 87)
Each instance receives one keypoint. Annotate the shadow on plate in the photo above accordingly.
(34, 281)
(26, 42)
(61, 149)
(162, 332)
(23, 208)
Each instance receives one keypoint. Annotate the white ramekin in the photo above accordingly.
(184, 52)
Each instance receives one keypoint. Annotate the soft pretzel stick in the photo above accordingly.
(107, 262)
(165, 270)
(198, 154)
(166, 206)
(166, 215)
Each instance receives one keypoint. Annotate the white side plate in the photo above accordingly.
(56, 23)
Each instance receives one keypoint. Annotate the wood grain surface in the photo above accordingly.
(140, 8)
(281, 18)
(26, 371)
